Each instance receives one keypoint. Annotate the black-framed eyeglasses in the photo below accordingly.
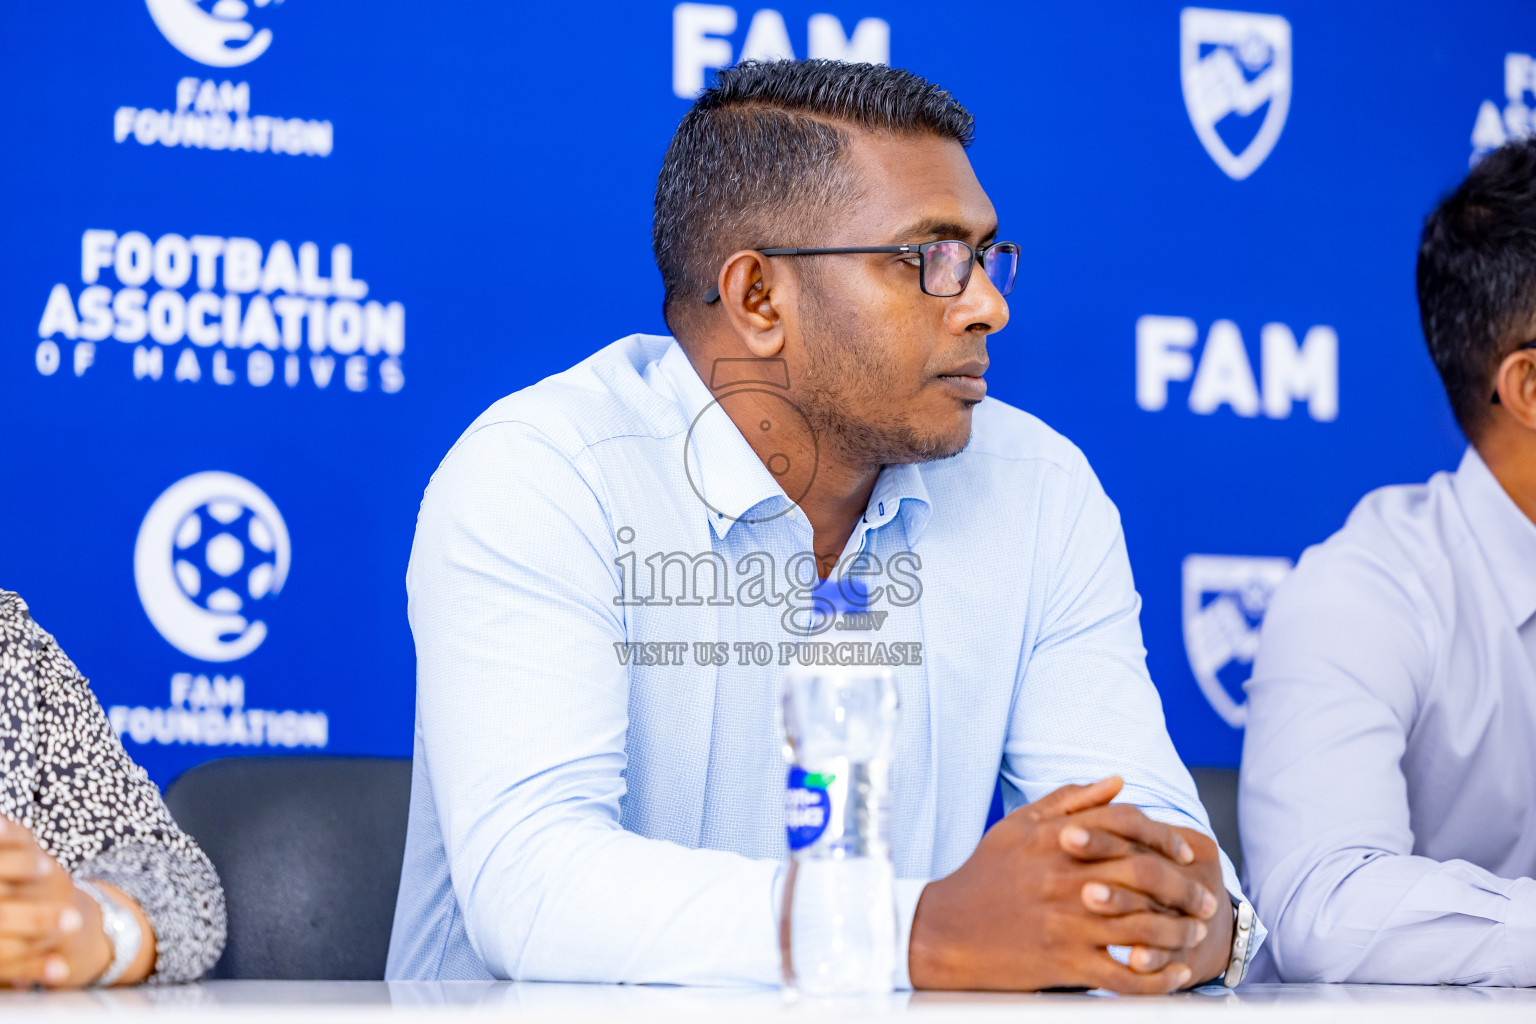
(946, 265)
(1518, 348)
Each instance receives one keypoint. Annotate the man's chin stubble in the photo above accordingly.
(862, 444)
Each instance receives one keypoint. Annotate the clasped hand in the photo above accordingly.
(1056, 883)
(50, 932)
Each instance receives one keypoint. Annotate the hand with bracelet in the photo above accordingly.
(58, 933)
(98, 886)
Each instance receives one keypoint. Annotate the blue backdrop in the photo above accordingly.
(259, 267)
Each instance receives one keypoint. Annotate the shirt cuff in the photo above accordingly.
(1519, 930)
(908, 892)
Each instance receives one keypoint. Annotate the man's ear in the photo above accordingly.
(756, 296)
(1517, 386)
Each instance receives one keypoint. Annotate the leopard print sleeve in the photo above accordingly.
(65, 776)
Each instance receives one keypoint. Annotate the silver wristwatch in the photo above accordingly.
(1242, 937)
(122, 930)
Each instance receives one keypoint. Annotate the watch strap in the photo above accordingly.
(123, 932)
(1242, 938)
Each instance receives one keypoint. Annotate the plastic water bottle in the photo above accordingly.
(839, 913)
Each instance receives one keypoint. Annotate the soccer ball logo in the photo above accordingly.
(211, 550)
(224, 556)
(206, 35)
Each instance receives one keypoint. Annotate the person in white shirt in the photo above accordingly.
(593, 801)
(1388, 795)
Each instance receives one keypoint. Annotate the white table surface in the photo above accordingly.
(301, 1002)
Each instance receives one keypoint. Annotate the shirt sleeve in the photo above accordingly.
(1327, 836)
(1086, 707)
(523, 710)
(98, 813)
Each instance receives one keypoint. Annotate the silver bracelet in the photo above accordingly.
(123, 932)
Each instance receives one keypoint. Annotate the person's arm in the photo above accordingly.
(1031, 908)
(1086, 707)
(523, 708)
(1325, 819)
(98, 817)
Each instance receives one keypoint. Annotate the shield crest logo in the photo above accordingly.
(1225, 598)
(1233, 64)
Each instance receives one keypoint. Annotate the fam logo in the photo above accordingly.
(218, 36)
(1224, 377)
(1225, 598)
(1517, 120)
(212, 114)
(701, 41)
(210, 551)
(1234, 65)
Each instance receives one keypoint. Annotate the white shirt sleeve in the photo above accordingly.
(523, 707)
(1347, 647)
(1086, 707)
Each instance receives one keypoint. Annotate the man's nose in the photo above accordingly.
(980, 308)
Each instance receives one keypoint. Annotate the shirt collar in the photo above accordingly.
(1505, 534)
(900, 489)
(728, 477)
(733, 484)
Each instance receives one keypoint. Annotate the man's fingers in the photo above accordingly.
(49, 969)
(1089, 844)
(1115, 900)
(1107, 973)
(1131, 824)
(1168, 885)
(1158, 931)
(1149, 959)
(38, 920)
(1071, 799)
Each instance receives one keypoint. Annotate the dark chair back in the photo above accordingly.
(1218, 791)
(309, 851)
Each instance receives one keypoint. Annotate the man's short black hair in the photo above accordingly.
(1477, 277)
(757, 157)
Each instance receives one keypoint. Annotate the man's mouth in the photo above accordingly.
(966, 380)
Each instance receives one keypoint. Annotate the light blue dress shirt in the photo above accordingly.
(585, 810)
(1388, 799)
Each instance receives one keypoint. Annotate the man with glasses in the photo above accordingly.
(614, 567)
(1388, 804)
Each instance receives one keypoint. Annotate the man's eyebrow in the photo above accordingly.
(938, 228)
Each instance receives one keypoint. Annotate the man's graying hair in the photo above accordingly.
(757, 158)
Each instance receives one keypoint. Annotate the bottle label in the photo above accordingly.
(807, 806)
